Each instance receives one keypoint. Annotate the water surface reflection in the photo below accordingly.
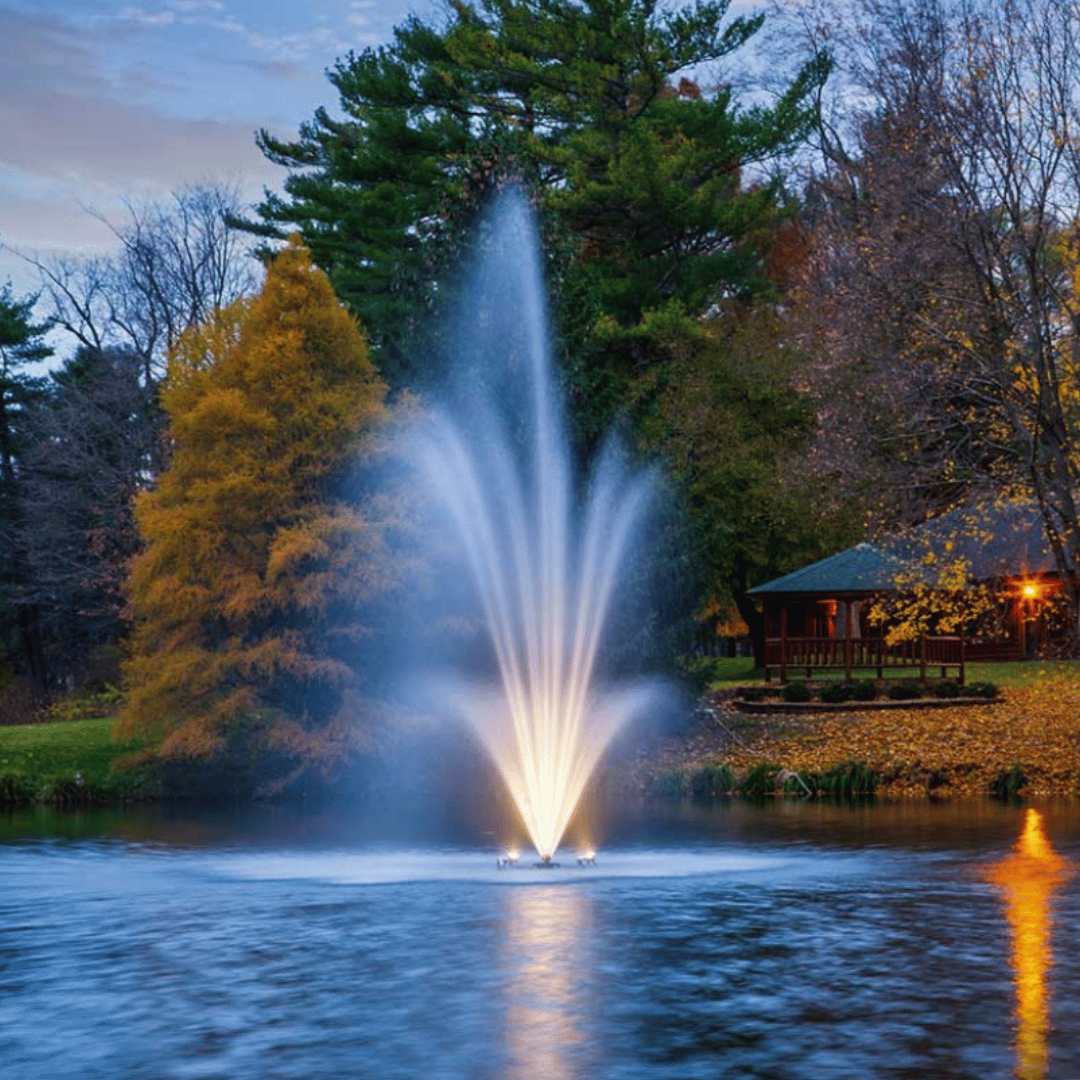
(547, 950)
(1027, 879)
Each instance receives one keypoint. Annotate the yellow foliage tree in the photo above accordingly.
(248, 593)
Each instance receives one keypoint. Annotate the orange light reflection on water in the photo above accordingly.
(1027, 879)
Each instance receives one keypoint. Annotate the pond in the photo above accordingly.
(797, 941)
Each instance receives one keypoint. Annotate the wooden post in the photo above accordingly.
(922, 659)
(880, 658)
(783, 643)
(961, 679)
(847, 640)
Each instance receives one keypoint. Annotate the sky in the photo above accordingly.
(105, 100)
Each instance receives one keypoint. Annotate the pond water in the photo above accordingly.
(796, 941)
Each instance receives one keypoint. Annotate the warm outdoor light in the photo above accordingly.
(1030, 592)
(1028, 879)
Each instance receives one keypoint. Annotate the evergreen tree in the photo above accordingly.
(248, 593)
(93, 437)
(737, 428)
(22, 343)
(641, 175)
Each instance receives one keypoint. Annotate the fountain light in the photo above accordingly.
(504, 862)
(587, 858)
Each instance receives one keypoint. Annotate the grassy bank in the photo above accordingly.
(1028, 742)
(66, 762)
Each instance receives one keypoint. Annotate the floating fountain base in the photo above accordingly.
(545, 863)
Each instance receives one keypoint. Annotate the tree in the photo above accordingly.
(22, 344)
(737, 428)
(247, 596)
(957, 196)
(91, 439)
(179, 262)
(641, 176)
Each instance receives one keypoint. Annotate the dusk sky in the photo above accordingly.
(103, 99)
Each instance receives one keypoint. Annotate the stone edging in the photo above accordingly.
(781, 706)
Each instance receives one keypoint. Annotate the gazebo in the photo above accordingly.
(815, 620)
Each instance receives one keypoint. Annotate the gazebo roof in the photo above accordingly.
(861, 569)
(995, 540)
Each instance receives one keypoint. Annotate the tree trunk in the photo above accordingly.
(755, 621)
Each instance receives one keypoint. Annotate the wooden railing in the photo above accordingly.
(788, 655)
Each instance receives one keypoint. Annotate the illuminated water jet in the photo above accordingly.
(543, 565)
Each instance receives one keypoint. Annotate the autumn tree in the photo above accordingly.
(655, 192)
(256, 572)
(941, 298)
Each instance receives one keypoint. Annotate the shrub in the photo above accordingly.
(864, 690)
(796, 691)
(760, 780)
(14, 789)
(753, 693)
(982, 690)
(852, 779)
(905, 690)
(674, 784)
(947, 688)
(70, 789)
(708, 781)
(1008, 782)
(87, 705)
(836, 692)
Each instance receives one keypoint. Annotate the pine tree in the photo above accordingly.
(248, 595)
(641, 174)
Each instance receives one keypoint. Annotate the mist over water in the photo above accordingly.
(544, 560)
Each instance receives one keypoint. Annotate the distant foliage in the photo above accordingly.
(248, 594)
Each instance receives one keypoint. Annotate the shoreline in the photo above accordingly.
(946, 751)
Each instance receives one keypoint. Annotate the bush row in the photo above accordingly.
(71, 789)
(850, 779)
(867, 690)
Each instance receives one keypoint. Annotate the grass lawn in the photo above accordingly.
(37, 752)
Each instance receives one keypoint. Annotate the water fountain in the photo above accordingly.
(544, 564)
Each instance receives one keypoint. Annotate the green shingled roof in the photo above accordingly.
(860, 569)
